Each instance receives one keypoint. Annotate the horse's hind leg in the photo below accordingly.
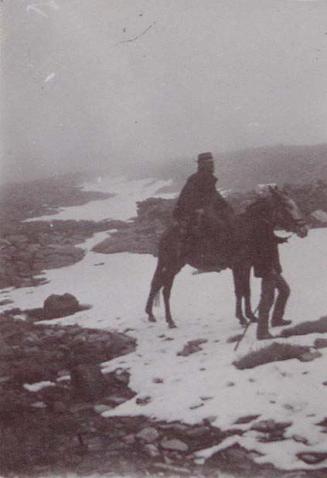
(156, 285)
(166, 294)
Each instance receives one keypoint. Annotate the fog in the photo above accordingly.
(123, 84)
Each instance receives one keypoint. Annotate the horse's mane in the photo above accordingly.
(257, 207)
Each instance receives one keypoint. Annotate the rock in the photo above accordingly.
(129, 439)
(102, 408)
(115, 400)
(196, 432)
(148, 435)
(246, 419)
(151, 450)
(143, 400)
(312, 458)
(88, 382)
(172, 469)
(269, 426)
(192, 347)
(174, 445)
(60, 305)
(300, 439)
(309, 356)
(320, 343)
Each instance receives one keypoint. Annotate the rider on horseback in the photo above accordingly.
(203, 215)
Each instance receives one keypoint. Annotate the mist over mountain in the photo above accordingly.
(244, 169)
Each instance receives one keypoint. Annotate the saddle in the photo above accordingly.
(206, 243)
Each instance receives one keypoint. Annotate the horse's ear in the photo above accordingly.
(273, 188)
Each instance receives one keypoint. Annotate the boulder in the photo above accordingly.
(174, 445)
(312, 458)
(56, 306)
(148, 435)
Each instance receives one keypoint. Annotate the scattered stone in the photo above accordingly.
(174, 445)
(177, 470)
(115, 401)
(129, 439)
(309, 356)
(300, 439)
(269, 426)
(209, 420)
(312, 458)
(191, 347)
(143, 400)
(194, 407)
(151, 450)
(198, 431)
(158, 380)
(320, 343)
(246, 419)
(313, 327)
(272, 353)
(5, 302)
(148, 435)
(102, 408)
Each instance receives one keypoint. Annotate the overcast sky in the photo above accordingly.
(88, 83)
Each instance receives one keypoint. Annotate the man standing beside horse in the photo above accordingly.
(267, 266)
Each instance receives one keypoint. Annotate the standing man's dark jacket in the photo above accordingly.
(265, 245)
(199, 192)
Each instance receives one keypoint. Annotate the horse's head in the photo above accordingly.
(287, 213)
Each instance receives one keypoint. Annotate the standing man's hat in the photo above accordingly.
(203, 157)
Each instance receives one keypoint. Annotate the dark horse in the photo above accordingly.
(283, 211)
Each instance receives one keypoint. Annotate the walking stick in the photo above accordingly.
(244, 332)
(242, 336)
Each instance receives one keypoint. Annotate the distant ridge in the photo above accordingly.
(242, 170)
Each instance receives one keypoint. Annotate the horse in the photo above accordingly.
(283, 211)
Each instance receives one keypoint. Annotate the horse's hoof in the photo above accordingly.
(243, 322)
(252, 318)
(172, 325)
(152, 318)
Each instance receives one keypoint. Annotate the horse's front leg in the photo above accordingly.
(238, 286)
(247, 294)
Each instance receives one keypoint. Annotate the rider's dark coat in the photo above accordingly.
(265, 244)
(199, 192)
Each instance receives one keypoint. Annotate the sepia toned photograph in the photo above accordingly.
(163, 239)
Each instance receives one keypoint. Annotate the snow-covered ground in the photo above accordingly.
(205, 384)
(121, 206)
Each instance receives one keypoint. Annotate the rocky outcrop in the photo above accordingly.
(27, 249)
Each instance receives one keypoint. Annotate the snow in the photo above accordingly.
(203, 385)
(121, 206)
(36, 387)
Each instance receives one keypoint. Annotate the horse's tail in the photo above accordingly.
(156, 299)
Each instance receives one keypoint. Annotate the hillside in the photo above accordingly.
(242, 170)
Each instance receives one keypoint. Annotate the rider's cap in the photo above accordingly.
(204, 157)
